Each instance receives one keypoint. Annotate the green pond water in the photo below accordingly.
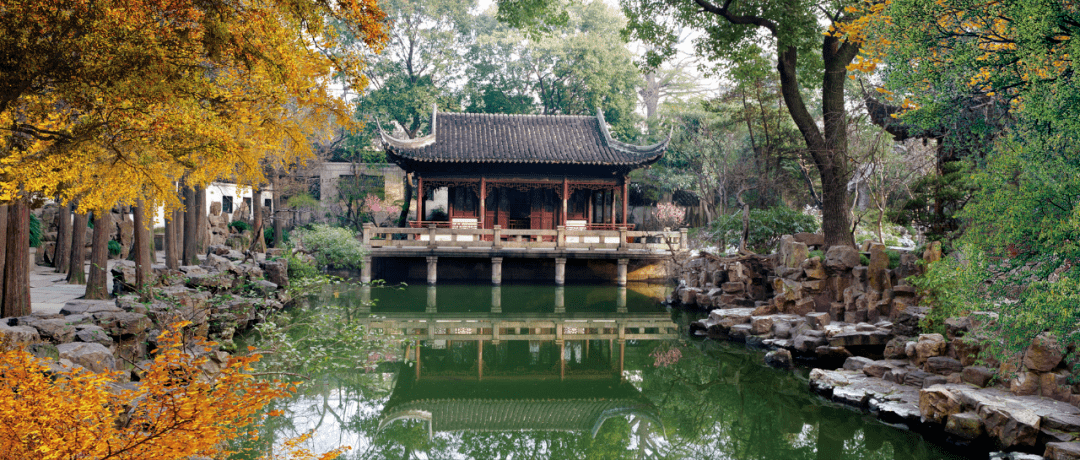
(539, 372)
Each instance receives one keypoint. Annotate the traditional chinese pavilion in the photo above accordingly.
(523, 171)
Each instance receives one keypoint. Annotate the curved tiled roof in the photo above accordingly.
(537, 139)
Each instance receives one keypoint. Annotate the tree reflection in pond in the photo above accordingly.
(526, 396)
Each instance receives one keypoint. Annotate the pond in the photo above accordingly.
(545, 372)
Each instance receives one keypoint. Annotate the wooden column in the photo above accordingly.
(565, 197)
(625, 199)
(483, 202)
(419, 198)
(592, 200)
(611, 203)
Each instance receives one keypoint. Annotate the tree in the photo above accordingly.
(797, 29)
(97, 284)
(77, 262)
(63, 239)
(16, 283)
(178, 410)
(110, 101)
(143, 221)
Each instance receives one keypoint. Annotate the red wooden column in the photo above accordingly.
(612, 202)
(625, 199)
(565, 197)
(483, 201)
(419, 198)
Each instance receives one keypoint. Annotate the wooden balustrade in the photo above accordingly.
(563, 238)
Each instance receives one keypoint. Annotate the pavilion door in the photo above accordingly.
(495, 209)
(543, 209)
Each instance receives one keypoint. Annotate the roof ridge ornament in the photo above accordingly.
(416, 143)
(623, 146)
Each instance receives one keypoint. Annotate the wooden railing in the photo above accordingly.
(562, 238)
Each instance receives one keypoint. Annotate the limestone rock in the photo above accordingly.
(876, 271)
(277, 271)
(90, 333)
(1012, 426)
(1044, 354)
(942, 365)
(93, 356)
(809, 341)
(55, 330)
(780, 359)
(896, 347)
(818, 321)
(1024, 383)
(19, 334)
(966, 425)
(80, 306)
(1062, 451)
(120, 324)
(937, 403)
(814, 268)
(841, 258)
(976, 375)
(761, 325)
(929, 345)
(857, 363)
(792, 253)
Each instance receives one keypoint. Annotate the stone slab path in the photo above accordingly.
(49, 291)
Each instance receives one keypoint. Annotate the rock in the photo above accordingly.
(932, 252)
(1024, 383)
(802, 306)
(860, 338)
(841, 258)
(906, 320)
(1012, 426)
(781, 330)
(967, 349)
(1062, 451)
(90, 333)
(792, 253)
(942, 365)
(79, 306)
(808, 341)
(857, 363)
(761, 325)
(895, 349)
(814, 268)
(215, 262)
(121, 324)
(264, 287)
(687, 296)
(817, 320)
(877, 369)
(1014, 456)
(1044, 353)
(55, 330)
(19, 334)
(780, 359)
(956, 327)
(876, 271)
(216, 282)
(916, 378)
(966, 425)
(277, 271)
(928, 346)
(739, 332)
(733, 288)
(1055, 385)
(976, 375)
(937, 403)
(93, 356)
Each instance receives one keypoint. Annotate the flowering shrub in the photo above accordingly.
(372, 203)
(669, 215)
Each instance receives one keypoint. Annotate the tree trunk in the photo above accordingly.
(279, 221)
(3, 245)
(202, 223)
(17, 261)
(403, 218)
(62, 254)
(97, 283)
(142, 251)
(190, 224)
(77, 261)
(257, 221)
(172, 249)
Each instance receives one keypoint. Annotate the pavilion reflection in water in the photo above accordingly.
(506, 371)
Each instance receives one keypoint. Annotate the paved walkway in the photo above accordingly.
(49, 290)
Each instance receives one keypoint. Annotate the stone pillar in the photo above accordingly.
(620, 300)
(560, 271)
(560, 237)
(621, 275)
(497, 238)
(432, 270)
(496, 300)
(365, 299)
(431, 304)
(431, 239)
(365, 270)
(560, 299)
(496, 270)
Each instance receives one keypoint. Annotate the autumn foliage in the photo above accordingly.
(176, 410)
(108, 101)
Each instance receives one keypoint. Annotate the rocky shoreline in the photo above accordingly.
(858, 325)
(221, 297)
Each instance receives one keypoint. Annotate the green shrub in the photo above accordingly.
(35, 231)
(863, 260)
(953, 287)
(268, 236)
(332, 247)
(240, 226)
(816, 253)
(894, 258)
(766, 227)
(298, 269)
(114, 248)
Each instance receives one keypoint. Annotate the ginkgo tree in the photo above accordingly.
(179, 408)
(111, 101)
